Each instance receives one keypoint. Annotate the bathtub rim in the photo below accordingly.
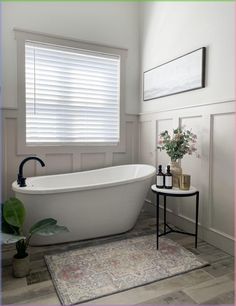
(40, 191)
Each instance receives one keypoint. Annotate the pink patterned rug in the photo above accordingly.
(92, 272)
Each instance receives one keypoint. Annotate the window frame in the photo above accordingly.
(22, 37)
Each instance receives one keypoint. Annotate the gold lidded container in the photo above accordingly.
(184, 181)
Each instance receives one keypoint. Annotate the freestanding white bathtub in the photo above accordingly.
(91, 204)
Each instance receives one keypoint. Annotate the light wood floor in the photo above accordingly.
(213, 284)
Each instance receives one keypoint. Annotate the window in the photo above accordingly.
(72, 95)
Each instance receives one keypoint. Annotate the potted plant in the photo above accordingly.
(13, 216)
(178, 144)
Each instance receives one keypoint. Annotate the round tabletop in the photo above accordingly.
(174, 190)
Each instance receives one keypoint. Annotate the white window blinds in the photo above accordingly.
(72, 95)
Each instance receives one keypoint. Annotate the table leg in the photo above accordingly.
(157, 220)
(164, 214)
(196, 224)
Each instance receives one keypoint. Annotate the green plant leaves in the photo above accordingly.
(52, 230)
(7, 228)
(180, 143)
(47, 227)
(41, 225)
(14, 212)
(13, 217)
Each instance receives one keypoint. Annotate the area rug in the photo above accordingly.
(92, 272)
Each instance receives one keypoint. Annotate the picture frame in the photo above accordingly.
(182, 74)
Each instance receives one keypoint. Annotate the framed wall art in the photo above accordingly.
(181, 74)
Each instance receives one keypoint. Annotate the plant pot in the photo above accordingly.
(176, 171)
(21, 266)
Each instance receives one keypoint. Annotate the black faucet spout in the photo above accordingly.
(20, 178)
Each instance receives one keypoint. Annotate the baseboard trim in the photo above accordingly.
(219, 240)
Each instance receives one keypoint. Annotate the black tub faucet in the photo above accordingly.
(20, 178)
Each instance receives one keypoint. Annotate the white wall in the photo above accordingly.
(172, 29)
(169, 30)
(114, 24)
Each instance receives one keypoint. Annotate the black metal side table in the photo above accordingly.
(175, 192)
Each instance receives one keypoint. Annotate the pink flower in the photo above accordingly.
(192, 148)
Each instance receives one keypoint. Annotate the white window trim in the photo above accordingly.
(21, 37)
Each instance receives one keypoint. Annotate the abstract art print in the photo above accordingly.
(182, 74)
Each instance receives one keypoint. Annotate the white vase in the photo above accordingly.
(21, 266)
(176, 171)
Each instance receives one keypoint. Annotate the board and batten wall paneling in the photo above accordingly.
(212, 172)
(163, 125)
(191, 164)
(131, 153)
(58, 163)
(11, 159)
(64, 159)
(147, 147)
(222, 177)
(146, 150)
(182, 28)
(91, 161)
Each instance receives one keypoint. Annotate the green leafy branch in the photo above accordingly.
(13, 217)
(180, 143)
